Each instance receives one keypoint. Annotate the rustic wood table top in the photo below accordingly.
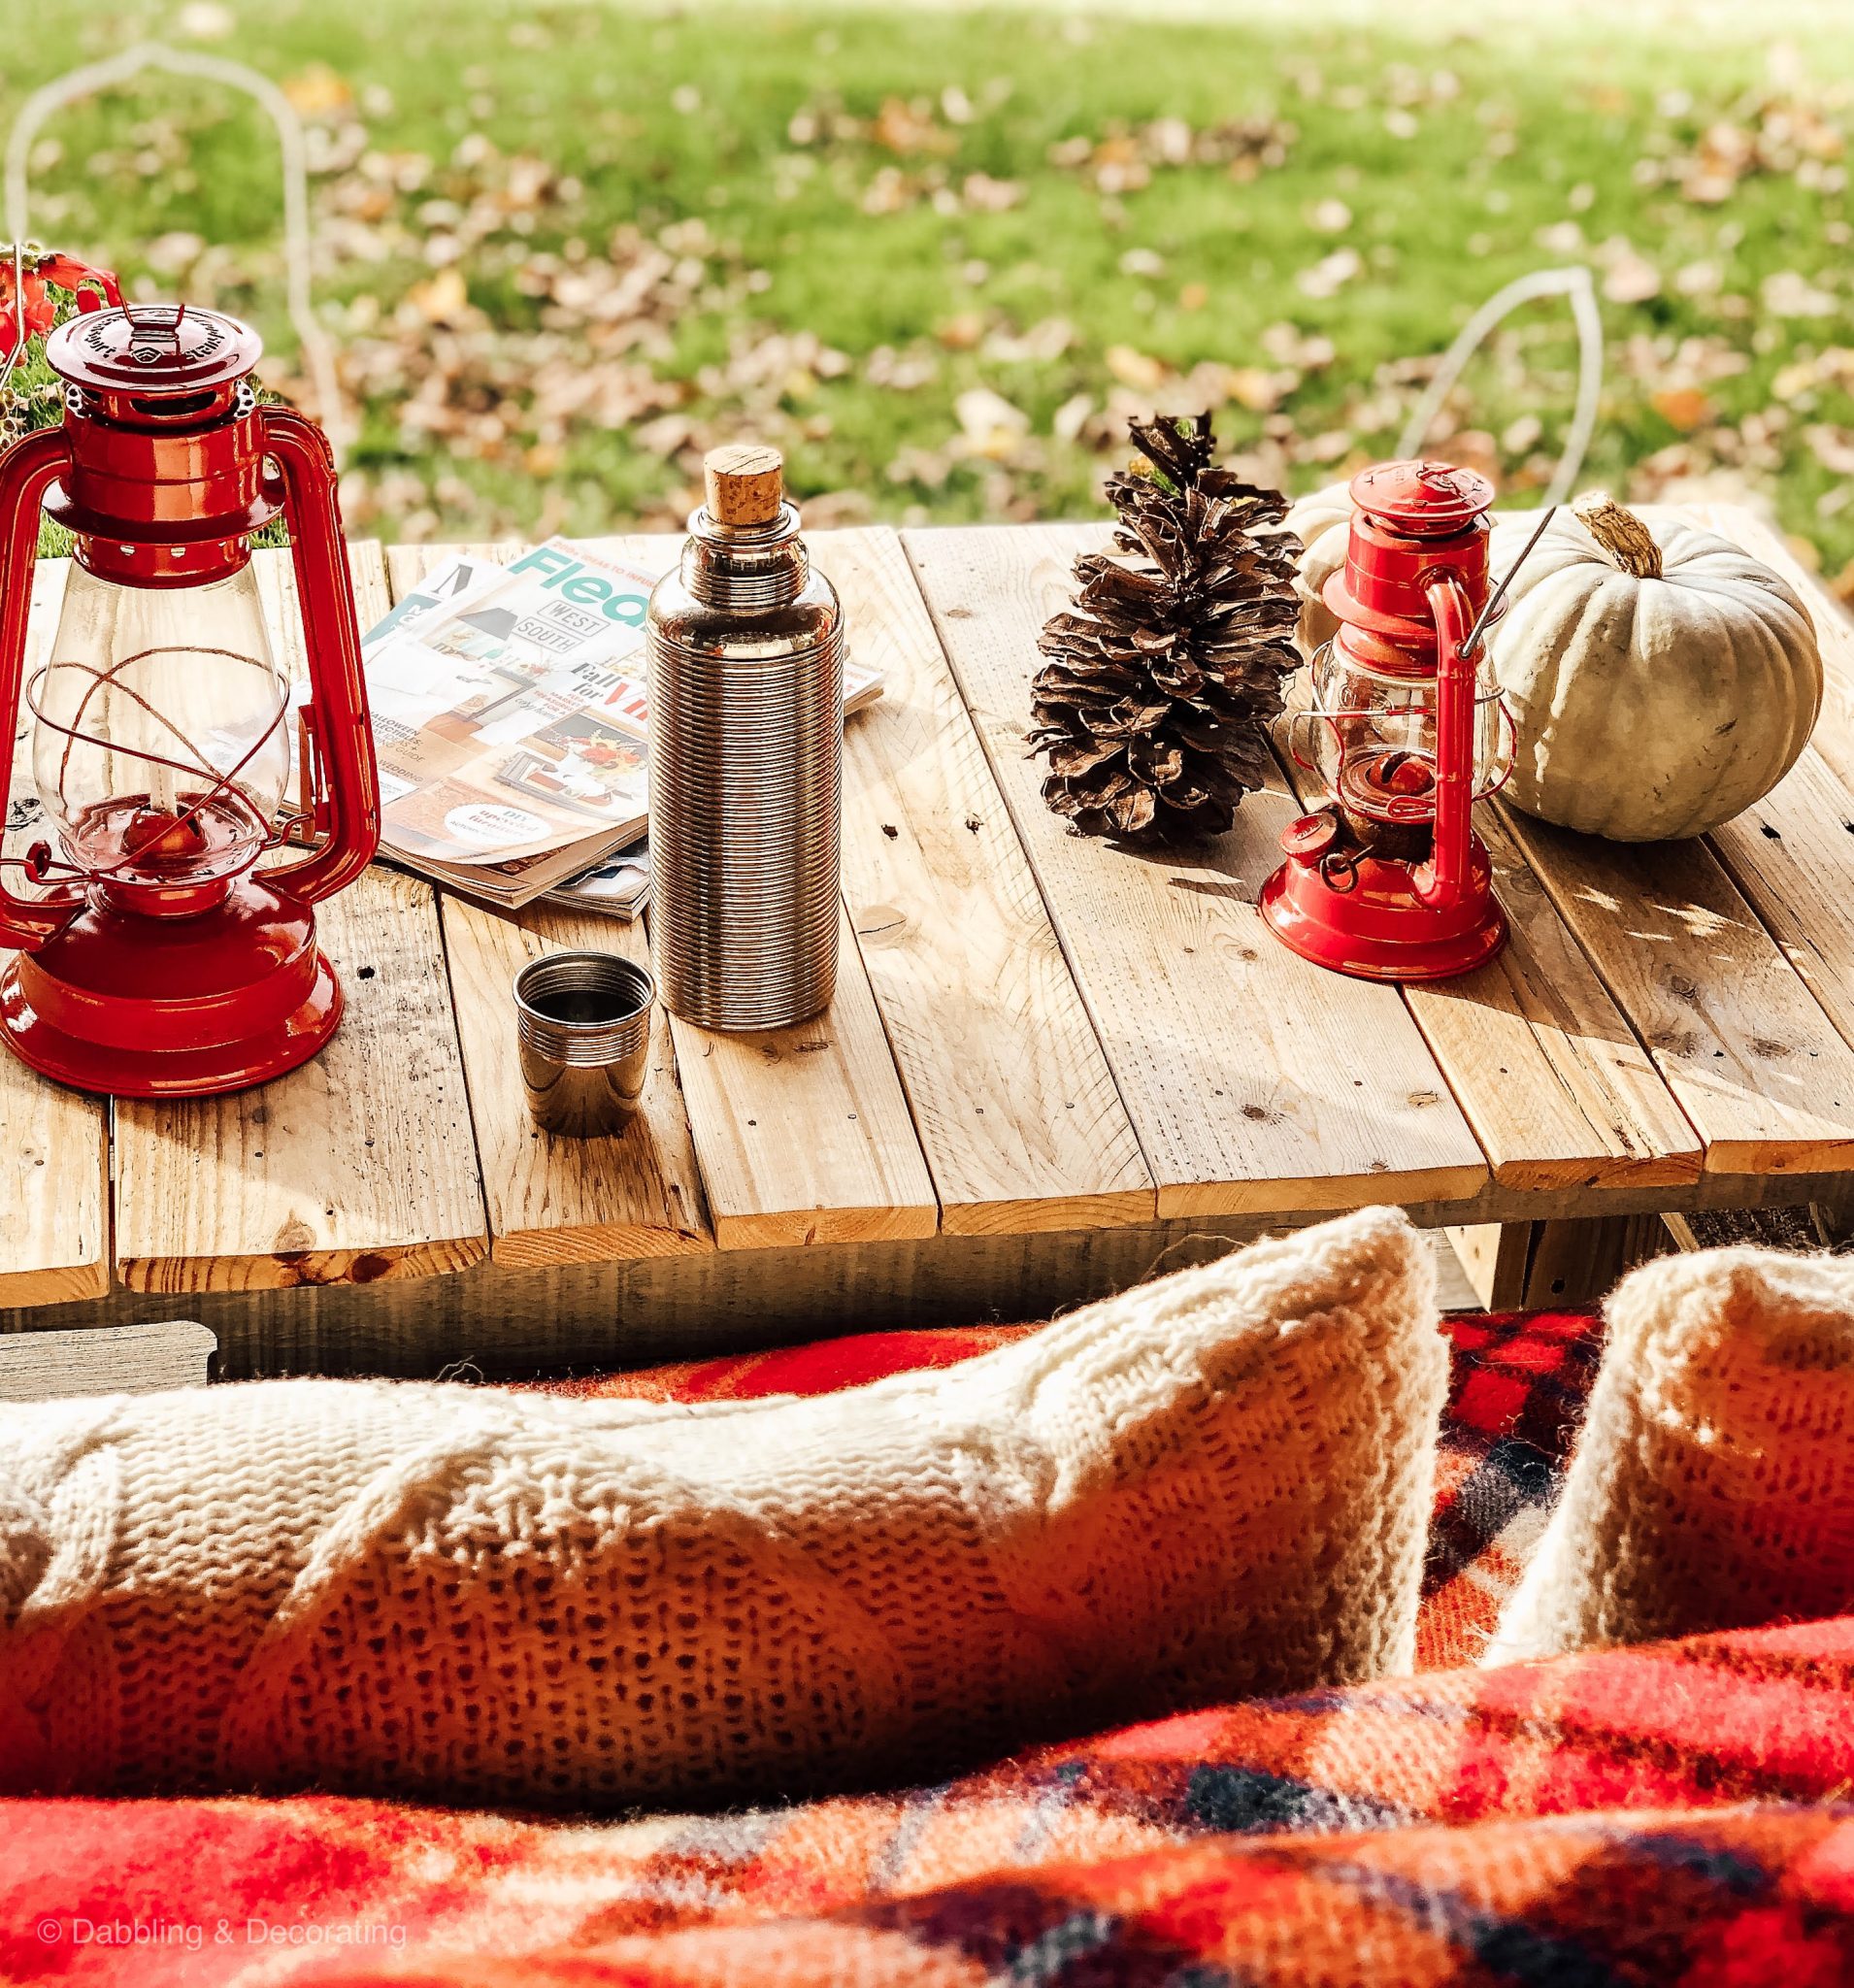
(1033, 1032)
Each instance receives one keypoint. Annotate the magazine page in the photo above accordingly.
(862, 685)
(508, 708)
(619, 886)
(521, 879)
(444, 588)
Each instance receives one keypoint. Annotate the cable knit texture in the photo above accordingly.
(1712, 1487)
(1216, 1484)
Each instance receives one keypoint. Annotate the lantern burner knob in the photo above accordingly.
(157, 836)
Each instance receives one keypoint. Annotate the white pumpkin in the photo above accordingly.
(1322, 522)
(1660, 679)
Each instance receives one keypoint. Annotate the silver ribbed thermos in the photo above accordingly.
(746, 743)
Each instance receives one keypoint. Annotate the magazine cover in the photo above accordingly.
(508, 708)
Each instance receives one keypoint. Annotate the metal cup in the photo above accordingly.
(583, 1020)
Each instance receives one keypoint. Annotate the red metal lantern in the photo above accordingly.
(161, 962)
(1390, 881)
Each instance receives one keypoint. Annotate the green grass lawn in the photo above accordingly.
(940, 257)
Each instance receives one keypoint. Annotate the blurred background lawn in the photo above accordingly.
(939, 255)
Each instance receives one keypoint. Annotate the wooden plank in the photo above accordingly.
(1544, 1066)
(1568, 1264)
(104, 1359)
(566, 1200)
(1792, 853)
(54, 1144)
(803, 1134)
(1793, 857)
(1015, 1107)
(358, 1167)
(1256, 1081)
(1454, 1290)
(1768, 1082)
(1551, 1077)
(491, 1320)
(1751, 1058)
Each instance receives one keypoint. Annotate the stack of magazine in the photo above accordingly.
(511, 722)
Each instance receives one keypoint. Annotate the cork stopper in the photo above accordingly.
(746, 483)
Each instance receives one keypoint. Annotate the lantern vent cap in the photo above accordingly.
(153, 349)
(1422, 499)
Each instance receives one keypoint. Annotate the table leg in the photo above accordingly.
(1493, 1254)
(1566, 1266)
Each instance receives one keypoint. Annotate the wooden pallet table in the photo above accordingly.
(1052, 1068)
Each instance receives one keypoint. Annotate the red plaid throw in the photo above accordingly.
(1649, 1816)
(1670, 1815)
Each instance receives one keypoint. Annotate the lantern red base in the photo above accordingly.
(1364, 917)
(174, 1007)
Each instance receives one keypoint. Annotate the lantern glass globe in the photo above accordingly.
(161, 740)
(1368, 732)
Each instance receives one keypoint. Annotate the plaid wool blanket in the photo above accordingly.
(1677, 1813)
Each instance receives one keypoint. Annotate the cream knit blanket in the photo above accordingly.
(1713, 1485)
(1216, 1484)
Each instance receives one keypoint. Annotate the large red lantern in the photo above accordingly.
(1405, 728)
(158, 960)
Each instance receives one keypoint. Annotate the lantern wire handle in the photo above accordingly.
(115, 71)
(1573, 284)
(1471, 642)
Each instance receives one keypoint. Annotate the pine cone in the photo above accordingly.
(1155, 704)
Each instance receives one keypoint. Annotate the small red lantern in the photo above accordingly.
(1390, 881)
(161, 962)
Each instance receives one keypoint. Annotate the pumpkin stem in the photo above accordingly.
(1626, 541)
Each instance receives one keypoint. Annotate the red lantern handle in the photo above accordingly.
(27, 471)
(341, 733)
(1444, 879)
